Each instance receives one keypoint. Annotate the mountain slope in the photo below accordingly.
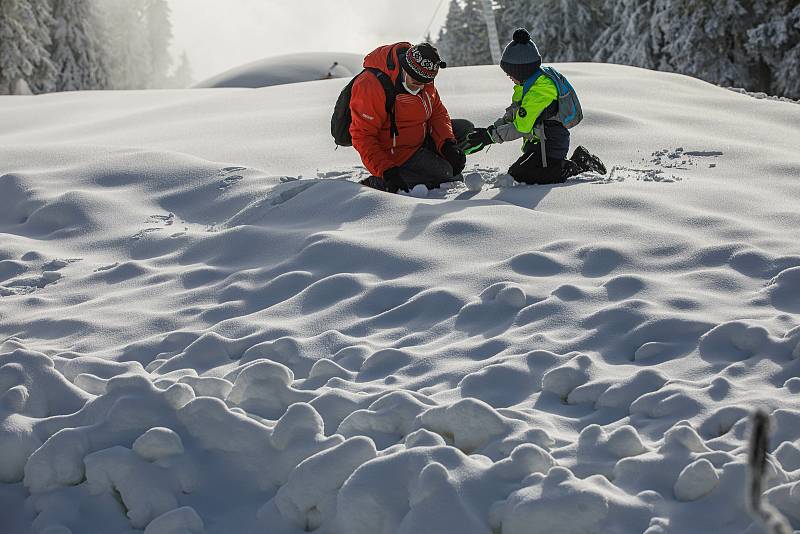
(207, 325)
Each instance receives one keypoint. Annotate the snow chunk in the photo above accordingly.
(158, 443)
(473, 181)
(414, 490)
(309, 496)
(697, 480)
(469, 424)
(215, 427)
(504, 180)
(58, 462)
(733, 340)
(419, 191)
(300, 420)
(424, 438)
(297, 435)
(387, 420)
(625, 442)
(784, 290)
(182, 520)
(562, 380)
(97, 367)
(45, 391)
(264, 388)
(686, 437)
(325, 369)
(208, 386)
(786, 497)
(179, 395)
(512, 295)
(145, 488)
(788, 454)
(17, 443)
(561, 503)
(91, 383)
(13, 401)
(624, 392)
(525, 459)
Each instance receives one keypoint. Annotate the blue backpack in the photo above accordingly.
(569, 107)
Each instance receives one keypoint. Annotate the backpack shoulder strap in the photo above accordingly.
(530, 81)
(391, 95)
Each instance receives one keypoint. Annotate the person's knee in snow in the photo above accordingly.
(528, 169)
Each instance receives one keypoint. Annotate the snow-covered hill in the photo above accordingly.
(206, 325)
(289, 68)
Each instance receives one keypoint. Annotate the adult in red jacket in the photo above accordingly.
(425, 149)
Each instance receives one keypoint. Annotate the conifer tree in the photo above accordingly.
(127, 44)
(450, 34)
(464, 39)
(24, 38)
(705, 39)
(75, 49)
(156, 15)
(182, 77)
(630, 38)
(775, 45)
(563, 30)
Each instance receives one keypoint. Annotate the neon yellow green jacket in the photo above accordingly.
(521, 115)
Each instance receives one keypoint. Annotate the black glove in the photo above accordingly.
(476, 140)
(454, 156)
(394, 182)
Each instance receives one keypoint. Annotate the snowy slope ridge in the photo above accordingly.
(206, 326)
(289, 68)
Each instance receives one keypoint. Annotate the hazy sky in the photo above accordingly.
(220, 34)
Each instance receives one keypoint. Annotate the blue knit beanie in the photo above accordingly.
(521, 58)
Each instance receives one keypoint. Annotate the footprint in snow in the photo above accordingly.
(229, 176)
(142, 233)
(229, 181)
(29, 284)
(167, 220)
(228, 170)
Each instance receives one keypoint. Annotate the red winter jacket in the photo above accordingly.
(415, 115)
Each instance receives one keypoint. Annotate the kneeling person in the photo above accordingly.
(533, 116)
(423, 149)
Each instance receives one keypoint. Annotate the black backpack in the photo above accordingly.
(342, 118)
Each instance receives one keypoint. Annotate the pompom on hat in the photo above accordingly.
(521, 57)
(422, 62)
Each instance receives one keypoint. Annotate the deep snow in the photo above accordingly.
(206, 326)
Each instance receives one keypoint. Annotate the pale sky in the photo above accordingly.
(221, 34)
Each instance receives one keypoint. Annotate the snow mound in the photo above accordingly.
(289, 68)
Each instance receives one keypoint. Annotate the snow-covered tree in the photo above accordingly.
(24, 38)
(44, 74)
(563, 30)
(463, 40)
(775, 44)
(182, 77)
(156, 15)
(75, 49)
(705, 38)
(630, 38)
(137, 35)
(454, 29)
(126, 42)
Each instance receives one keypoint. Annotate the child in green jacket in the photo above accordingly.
(533, 116)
